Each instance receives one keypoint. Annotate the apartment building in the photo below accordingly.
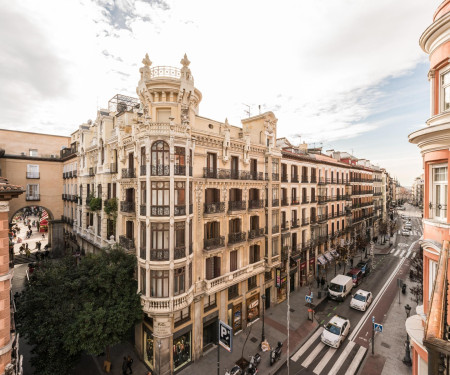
(417, 191)
(428, 327)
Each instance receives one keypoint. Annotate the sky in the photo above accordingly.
(347, 75)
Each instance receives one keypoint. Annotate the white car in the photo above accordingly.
(405, 232)
(335, 331)
(361, 300)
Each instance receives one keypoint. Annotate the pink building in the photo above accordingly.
(428, 328)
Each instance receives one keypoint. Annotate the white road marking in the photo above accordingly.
(403, 253)
(342, 358)
(355, 363)
(325, 359)
(413, 255)
(397, 252)
(313, 354)
(408, 253)
(393, 249)
(306, 345)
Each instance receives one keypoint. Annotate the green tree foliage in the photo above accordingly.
(95, 204)
(67, 309)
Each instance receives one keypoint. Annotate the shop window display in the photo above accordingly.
(253, 308)
(182, 350)
(148, 347)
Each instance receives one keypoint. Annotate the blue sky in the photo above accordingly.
(346, 72)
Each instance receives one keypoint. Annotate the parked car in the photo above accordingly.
(335, 331)
(340, 287)
(365, 266)
(357, 276)
(361, 300)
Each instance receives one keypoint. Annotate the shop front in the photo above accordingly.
(210, 330)
(303, 276)
(181, 348)
(280, 283)
(148, 346)
(253, 308)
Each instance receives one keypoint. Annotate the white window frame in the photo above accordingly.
(442, 87)
(435, 212)
(432, 272)
(36, 192)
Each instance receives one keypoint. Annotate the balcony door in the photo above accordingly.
(234, 226)
(235, 195)
(129, 230)
(254, 222)
(212, 230)
(211, 162)
(131, 161)
(212, 196)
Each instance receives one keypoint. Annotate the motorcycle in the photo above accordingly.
(252, 368)
(275, 354)
(236, 370)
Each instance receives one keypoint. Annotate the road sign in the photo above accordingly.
(308, 299)
(399, 283)
(225, 336)
(378, 327)
(373, 319)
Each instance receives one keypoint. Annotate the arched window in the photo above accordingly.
(160, 159)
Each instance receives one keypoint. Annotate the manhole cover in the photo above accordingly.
(253, 339)
(291, 310)
(385, 345)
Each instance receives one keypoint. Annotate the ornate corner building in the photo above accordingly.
(217, 215)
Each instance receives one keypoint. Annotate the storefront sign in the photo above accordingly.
(225, 336)
(312, 260)
(278, 277)
(161, 328)
(303, 265)
(252, 308)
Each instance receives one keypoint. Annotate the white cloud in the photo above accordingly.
(315, 63)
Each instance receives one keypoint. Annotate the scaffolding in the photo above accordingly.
(122, 103)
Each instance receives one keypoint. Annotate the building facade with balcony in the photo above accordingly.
(429, 327)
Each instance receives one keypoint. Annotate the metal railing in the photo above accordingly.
(305, 178)
(179, 252)
(255, 233)
(128, 173)
(143, 169)
(237, 205)
(214, 207)
(284, 202)
(180, 210)
(126, 206)
(305, 199)
(143, 209)
(275, 202)
(305, 221)
(160, 210)
(159, 255)
(295, 201)
(213, 243)
(160, 170)
(275, 229)
(236, 237)
(294, 178)
(295, 223)
(34, 197)
(127, 243)
(33, 175)
(284, 178)
(255, 204)
(179, 170)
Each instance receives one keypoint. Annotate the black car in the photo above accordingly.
(365, 266)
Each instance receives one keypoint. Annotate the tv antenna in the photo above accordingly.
(248, 109)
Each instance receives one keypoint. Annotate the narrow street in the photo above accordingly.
(314, 357)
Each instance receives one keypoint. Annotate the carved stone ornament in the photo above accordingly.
(226, 141)
(247, 149)
(145, 70)
(185, 71)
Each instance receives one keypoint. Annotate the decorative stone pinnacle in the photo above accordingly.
(146, 61)
(185, 61)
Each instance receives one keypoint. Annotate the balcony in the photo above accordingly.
(34, 197)
(237, 205)
(75, 173)
(126, 206)
(143, 210)
(313, 220)
(275, 229)
(127, 243)
(377, 194)
(275, 202)
(285, 226)
(295, 223)
(160, 210)
(143, 252)
(275, 177)
(305, 178)
(214, 243)
(294, 178)
(284, 202)
(153, 305)
(179, 170)
(313, 179)
(295, 201)
(159, 255)
(180, 210)
(313, 199)
(256, 204)
(324, 181)
(214, 207)
(92, 171)
(322, 199)
(236, 237)
(255, 233)
(143, 169)
(113, 168)
(160, 170)
(128, 173)
(179, 252)
(284, 178)
(33, 175)
(254, 175)
(305, 221)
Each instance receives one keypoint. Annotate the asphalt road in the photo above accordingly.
(316, 358)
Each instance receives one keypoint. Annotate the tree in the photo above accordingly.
(66, 309)
(383, 229)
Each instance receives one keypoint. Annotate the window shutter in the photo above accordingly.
(209, 269)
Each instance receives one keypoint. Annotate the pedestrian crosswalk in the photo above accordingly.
(322, 359)
(403, 253)
(411, 232)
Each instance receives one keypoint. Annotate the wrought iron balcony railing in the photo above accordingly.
(214, 243)
(237, 205)
(160, 210)
(126, 206)
(214, 207)
(236, 237)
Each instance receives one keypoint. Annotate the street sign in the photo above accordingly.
(378, 327)
(225, 336)
(308, 299)
(399, 283)
(373, 319)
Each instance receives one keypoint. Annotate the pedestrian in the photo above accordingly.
(21, 249)
(27, 252)
(43, 235)
(322, 282)
(29, 226)
(318, 281)
(38, 245)
(124, 366)
(129, 364)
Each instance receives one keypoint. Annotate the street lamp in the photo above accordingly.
(407, 359)
(263, 337)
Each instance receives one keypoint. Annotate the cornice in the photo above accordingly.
(431, 34)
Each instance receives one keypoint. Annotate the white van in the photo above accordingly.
(340, 287)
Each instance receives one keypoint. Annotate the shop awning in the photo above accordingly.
(322, 260)
(329, 256)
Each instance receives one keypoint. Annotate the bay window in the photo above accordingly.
(439, 180)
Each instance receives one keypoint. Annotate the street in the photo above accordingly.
(314, 357)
